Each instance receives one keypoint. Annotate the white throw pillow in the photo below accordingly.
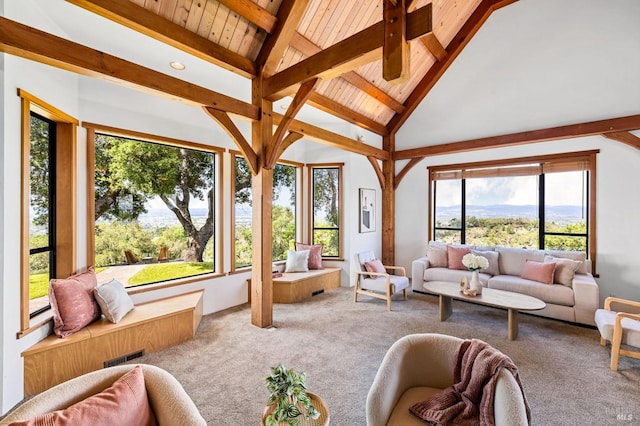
(493, 258)
(297, 261)
(113, 299)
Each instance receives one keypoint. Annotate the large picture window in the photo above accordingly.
(326, 208)
(286, 176)
(154, 209)
(537, 202)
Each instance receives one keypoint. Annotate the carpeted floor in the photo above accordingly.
(339, 344)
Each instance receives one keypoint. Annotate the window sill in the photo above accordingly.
(173, 283)
(36, 323)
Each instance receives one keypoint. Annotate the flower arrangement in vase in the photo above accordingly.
(474, 263)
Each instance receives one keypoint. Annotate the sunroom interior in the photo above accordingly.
(486, 85)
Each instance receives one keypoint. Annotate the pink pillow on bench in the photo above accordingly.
(72, 302)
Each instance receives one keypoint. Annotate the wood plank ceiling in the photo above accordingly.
(361, 95)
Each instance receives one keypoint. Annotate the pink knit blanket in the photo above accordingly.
(469, 401)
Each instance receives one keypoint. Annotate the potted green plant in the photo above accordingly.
(288, 398)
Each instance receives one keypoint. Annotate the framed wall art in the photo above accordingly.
(367, 210)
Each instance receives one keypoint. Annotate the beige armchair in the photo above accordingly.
(381, 285)
(168, 399)
(417, 367)
(619, 323)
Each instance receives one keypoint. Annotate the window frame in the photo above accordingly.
(297, 214)
(534, 165)
(218, 245)
(65, 183)
(310, 221)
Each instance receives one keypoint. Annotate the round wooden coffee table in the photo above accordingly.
(511, 301)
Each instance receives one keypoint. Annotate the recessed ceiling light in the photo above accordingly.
(177, 65)
(284, 106)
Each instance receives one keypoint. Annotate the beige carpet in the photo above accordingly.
(339, 344)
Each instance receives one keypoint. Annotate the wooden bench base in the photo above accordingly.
(294, 287)
(147, 328)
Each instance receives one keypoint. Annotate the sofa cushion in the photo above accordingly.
(573, 255)
(452, 275)
(554, 293)
(437, 255)
(539, 271)
(455, 255)
(565, 269)
(512, 260)
(493, 258)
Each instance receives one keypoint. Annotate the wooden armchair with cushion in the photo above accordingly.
(374, 280)
(619, 323)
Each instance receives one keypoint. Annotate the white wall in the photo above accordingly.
(538, 64)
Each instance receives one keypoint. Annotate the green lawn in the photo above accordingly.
(169, 271)
(39, 284)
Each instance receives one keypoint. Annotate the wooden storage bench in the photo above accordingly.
(296, 286)
(147, 328)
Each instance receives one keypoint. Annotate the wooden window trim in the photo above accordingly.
(579, 160)
(340, 167)
(66, 179)
(92, 129)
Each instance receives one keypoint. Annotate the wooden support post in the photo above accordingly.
(395, 49)
(261, 225)
(388, 203)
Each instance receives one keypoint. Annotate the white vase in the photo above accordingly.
(474, 284)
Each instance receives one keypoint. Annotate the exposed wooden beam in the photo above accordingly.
(346, 55)
(338, 110)
(388, 213)
(138, 18)
(234, 133)
(433, 45)
(306, 89)
(272, 50)
(288, 141)
(396, 54)
(378, 170)
(624, 137)
(20, 40)
(308, 48)
(405, 170)
(591, 128)
(459, 42)
(253, 13)
(335, 140)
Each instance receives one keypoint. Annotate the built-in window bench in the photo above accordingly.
(294, 287)
(147, 328)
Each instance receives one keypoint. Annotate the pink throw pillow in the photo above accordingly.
(539, 271)
(315, 254)
(455, 255)
(375, 266)
(123, 403)
(72, 302)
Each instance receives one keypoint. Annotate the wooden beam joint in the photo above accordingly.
(232, 130)
(396, 54)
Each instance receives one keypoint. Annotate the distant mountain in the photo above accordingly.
(559, 214)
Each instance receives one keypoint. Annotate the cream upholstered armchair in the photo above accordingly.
(167, 398)
(417, 367)
(380, 284)
(619, 323)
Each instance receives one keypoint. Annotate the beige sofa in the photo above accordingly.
(576, 302)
